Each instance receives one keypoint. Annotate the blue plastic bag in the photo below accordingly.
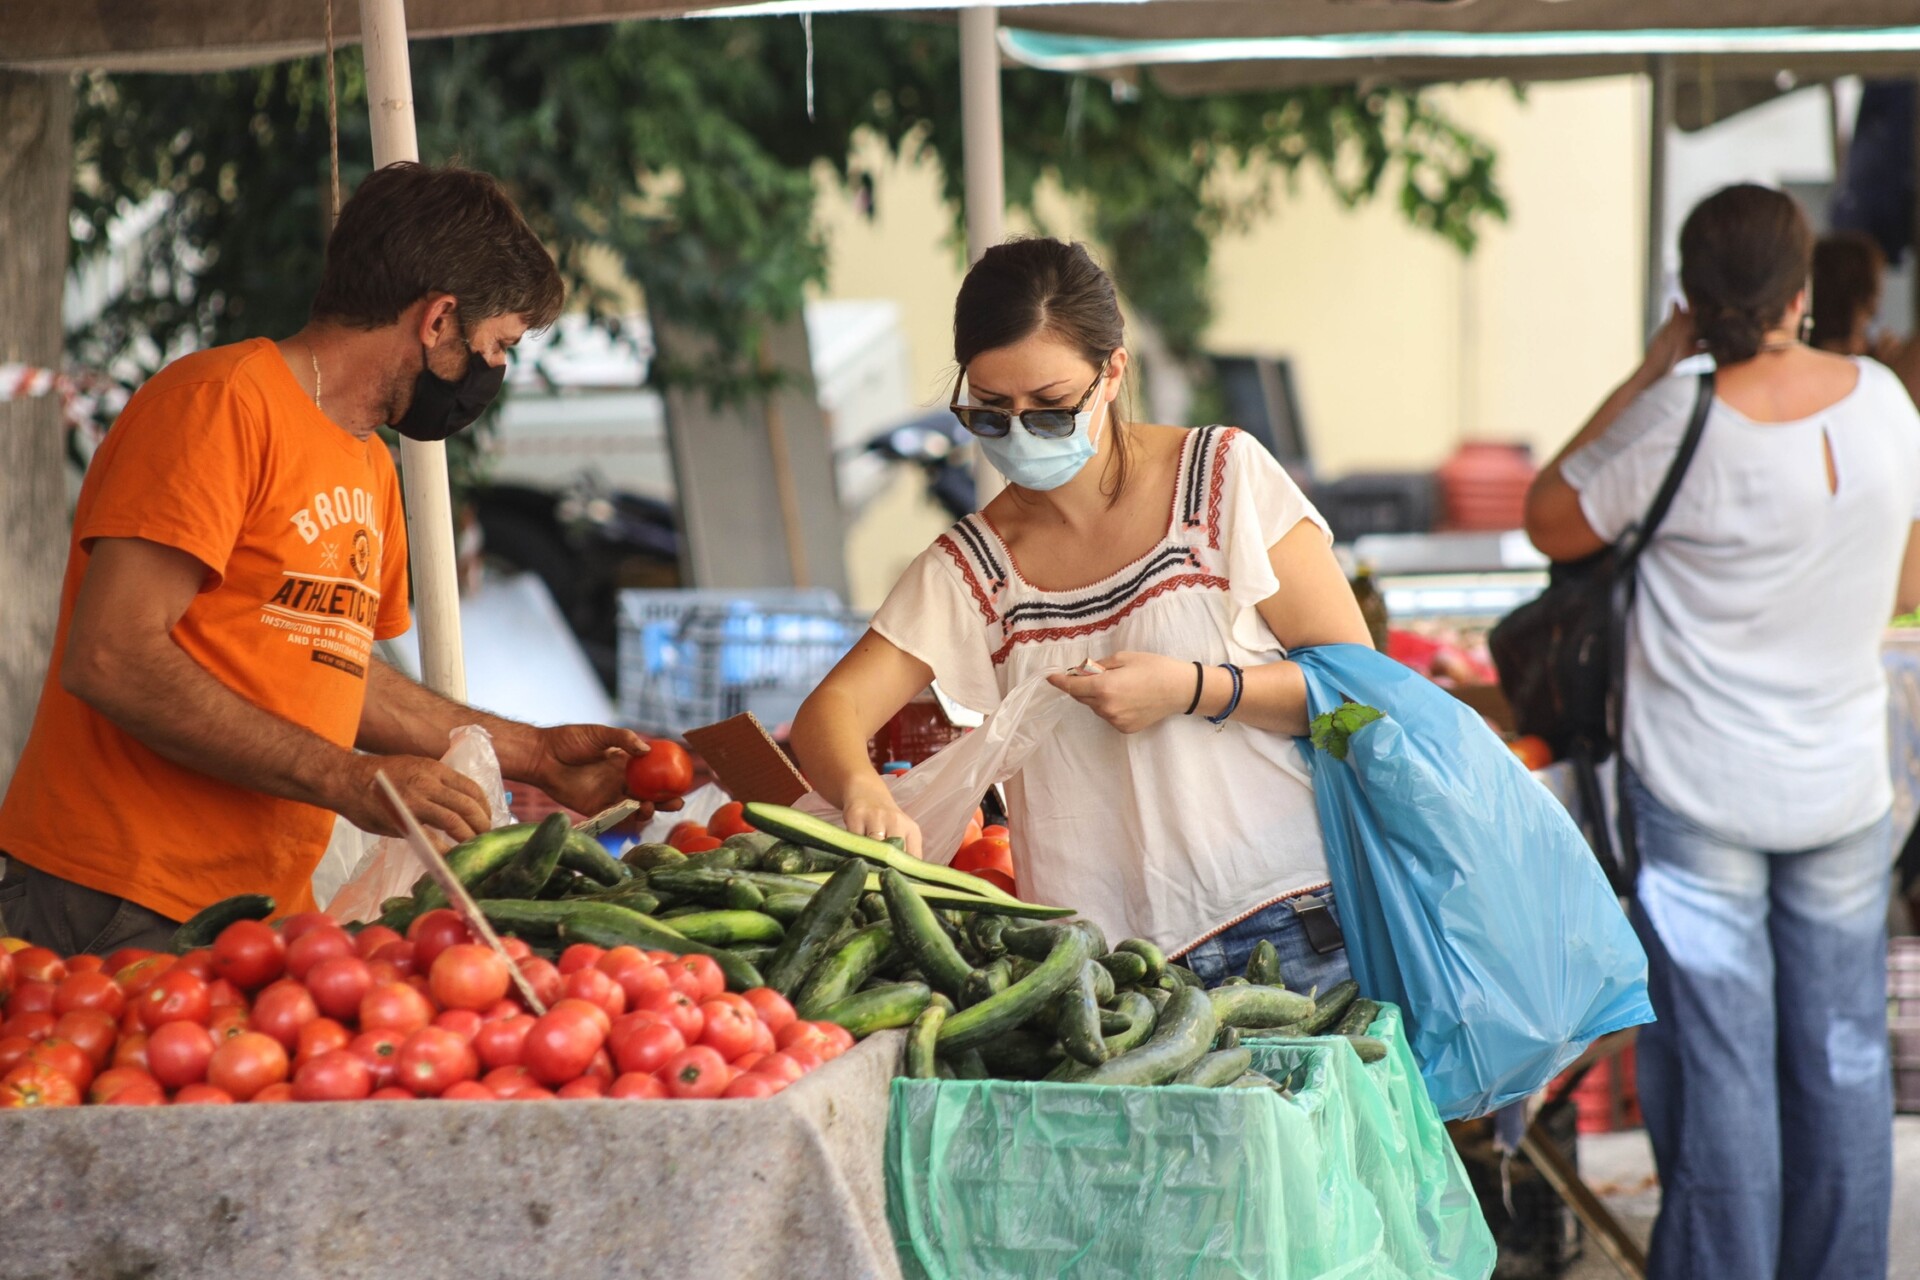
(1468, 895)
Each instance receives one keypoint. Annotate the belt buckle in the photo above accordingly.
(1317, 922)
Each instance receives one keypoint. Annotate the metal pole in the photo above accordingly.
(423, 466)
(986, 206)
(1660, 124)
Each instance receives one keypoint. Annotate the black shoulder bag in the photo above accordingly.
(1562, 658)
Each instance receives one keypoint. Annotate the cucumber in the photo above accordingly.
(786, 859)
(473, 861)
(844, 971)
(971, 1066)
(996, 1015)
(1126, 968)
(1226, 1038)
(873, 906)
(815, 927)
(880, 1008)
(711, 882)
(800, 828)
(954, 899)
(1358, 1017)
(1019, 1054)
(1160, 997)
(754, 955)
(606, 925)
(633, 899)
(528, 871)
(730, 928)
(754, 846)
(984, 932)
(1181, 1038)
(1218, 1069)
(1369, 1048)
(205, 925)
(1077, 1019)
(742, 894)
(920, 1042)
(987, 982)
(565, 882)
(924, 937)
(1263, 966)
(725, 858)
(1156, 959)
(1284, 1031)
(1184, 976)
(1250, 1006)
(1140, 1015)
(786, 907)
(1328, 1009)
(1235, 981)
(647, 857)
(1103, 988)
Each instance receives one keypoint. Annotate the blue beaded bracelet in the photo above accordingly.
(1239, 685)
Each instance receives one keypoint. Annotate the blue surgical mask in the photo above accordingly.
(1035, 462)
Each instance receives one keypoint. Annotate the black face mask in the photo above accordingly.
(441, 408)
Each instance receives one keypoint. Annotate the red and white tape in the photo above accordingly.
(24, 381)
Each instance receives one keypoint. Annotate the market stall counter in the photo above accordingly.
(789, 1186)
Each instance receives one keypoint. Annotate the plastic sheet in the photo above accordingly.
(1467, 894)
(1352, 1177)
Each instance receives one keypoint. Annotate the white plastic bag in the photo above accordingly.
(941, 794)
(390, 868)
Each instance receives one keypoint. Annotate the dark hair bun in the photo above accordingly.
(1745, 254)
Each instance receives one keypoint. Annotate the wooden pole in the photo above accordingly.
(1659, 125)
(783, 480)
(986, 183)
(423, 465)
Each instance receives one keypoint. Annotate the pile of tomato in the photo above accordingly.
(304, 1011)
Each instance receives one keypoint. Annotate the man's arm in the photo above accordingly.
(583, 766)
(121, 659)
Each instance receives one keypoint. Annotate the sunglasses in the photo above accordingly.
(1048, 424)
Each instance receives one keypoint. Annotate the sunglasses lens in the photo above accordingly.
(990, 423)
(1049, 424)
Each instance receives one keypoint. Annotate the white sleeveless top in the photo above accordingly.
(1180, 831)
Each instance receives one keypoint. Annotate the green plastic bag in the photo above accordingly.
(1341, 1181)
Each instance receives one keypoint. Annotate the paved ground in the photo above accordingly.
(1619, 1168)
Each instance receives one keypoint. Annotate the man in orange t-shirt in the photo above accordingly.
(238, 547)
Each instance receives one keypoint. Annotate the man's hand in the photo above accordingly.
(582, 766)
(437, 796)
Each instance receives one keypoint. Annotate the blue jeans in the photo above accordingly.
(1765, 1082)
(1225, 954)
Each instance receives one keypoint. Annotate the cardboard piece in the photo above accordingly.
(747, 763)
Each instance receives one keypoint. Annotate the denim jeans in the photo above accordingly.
(1765, 1082)
(1225, 954)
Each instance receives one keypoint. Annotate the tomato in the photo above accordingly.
(664, 773)
(749, 1060)
(679, 1009)
(763, 1038)
(529, 1093)
(394, 1006)
(581, 955)
(247, 1064)
(507, 1008)
(398, 956)
(639, 978)
(249, 954)
(175, 997)
(601, 1067)
(985, 854)
(281, 1092)
(89, 990)
(198, 963)
(505, 1079)
(118, 960)
(635, 1084)
(780, 1066)
(584, 1087)
(698, 844)
(372, 938)
(390, 1093)
(314, 946)
(1533, 752)
(971, 834)
(468, 1091)
(470, 976)
(464, 1023)
(750, 1085)
(515, 948)
(137, 1095)
(683, 831)
(727, 1028)
(805, 1055)
(339, 983)
(83, 963)
(498, 1043)
(222, 994)
(996, 832)
(322, 1035)
(13, 1049)
(433, 932)
(709, 980)
(803, 1035)
(281, 1010)
(296, 927)
(64, 1056)
(31, 1026)
(92, 1030)
(6, 976)
(139, 975)
(727, 821)
(698, 1072)
(773, 1008)
(334, 1076)
(37, 964)
(433, 1058)
(228, 1022)
(30, 1086)
(560, 1045)
(595, 988)
(178, 1053)
(202, 1095)
(131, 1051)
(108, 1085)
(837, 1036)
(33, 996)
(380, 1050)
(543, 977)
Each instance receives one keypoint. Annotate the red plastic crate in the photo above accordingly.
(916, 731)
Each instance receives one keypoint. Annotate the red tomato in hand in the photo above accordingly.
(727, 820)
(175, 997)
(432, 933)
(322, 1035)
(394, 1006)
(647, 1048)
(469, 976)
(178, 1053)
(561, 1044)
(773, 1008)
(339, 983)
(91, 1029)
(249, 954)
(499, 1043)
(246, 1065)
(636, 1085)
(335, 1076)
(315, 945)
(728, 1029)
(31, 1086)
(282, 1010)
(664, 773)
(89, 990)
(380, 1050)
(698, 1072)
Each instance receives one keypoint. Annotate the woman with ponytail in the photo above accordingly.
(1756, 749)
(1172, 804)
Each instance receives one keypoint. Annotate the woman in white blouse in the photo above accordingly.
(1173, 805)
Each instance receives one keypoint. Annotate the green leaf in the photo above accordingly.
(1330, 730)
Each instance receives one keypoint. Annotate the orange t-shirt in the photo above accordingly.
(225, 457)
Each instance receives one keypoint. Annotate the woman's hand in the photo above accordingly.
(869, 810)
(1671, 343)
(1131, 691)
